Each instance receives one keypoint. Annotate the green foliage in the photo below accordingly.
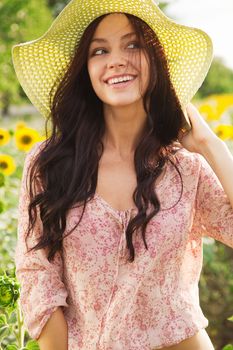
(20, 21)
(32, 345)
(9, 192)
(10, 324)
(2, 180)
(228, 347)
(216, 291)
(163, 5)
(57, 6)
(12, 331)
(9, 292)
(219, 80)
(13, 335)
(12, 347)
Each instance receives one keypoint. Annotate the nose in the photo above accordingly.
(116, 61)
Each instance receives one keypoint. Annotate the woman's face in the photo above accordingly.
(117, 65)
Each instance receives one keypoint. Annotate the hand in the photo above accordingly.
(200, 135)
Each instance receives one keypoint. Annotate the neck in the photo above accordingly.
(124, 128)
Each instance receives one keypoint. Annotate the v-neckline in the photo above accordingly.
(107, 205)
(129, 210)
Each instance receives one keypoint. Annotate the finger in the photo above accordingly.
(194, 115)
(192, 111)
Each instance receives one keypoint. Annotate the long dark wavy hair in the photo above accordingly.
(67, 165)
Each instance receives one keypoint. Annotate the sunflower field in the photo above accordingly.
(15, 142)
(216, 284)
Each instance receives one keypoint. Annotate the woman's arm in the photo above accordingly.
(220, 159)
(54, 335)
(42, 289)
(201, 139)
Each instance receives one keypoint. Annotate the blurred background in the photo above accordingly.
(21, 126)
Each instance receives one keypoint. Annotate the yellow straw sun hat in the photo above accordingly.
(39, 64)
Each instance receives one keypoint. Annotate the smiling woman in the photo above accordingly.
(113, 209)
(119, 69)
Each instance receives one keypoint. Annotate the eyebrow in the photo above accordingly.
(102, 40)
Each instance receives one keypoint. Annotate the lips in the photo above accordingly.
(120, 79)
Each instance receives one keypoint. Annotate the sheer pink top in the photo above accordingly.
(110, 304)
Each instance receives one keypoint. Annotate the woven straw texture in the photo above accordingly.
(40, 63)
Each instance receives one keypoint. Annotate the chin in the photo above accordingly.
(121, 102)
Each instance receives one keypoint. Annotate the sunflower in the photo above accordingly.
(20, 125)
(224, 102)
(4, 137)
(224, 131)
(25, 138)
(214, 106)
(208, 111)
(7, 164)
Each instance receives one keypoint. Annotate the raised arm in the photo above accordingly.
(214, 198)
(201, 139)
(220, 159)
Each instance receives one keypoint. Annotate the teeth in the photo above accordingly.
(120, 79)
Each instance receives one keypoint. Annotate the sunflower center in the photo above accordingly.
(3, 165)
(26, 139)
(1, 137)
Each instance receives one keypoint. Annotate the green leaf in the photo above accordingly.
(2, 207)
(32, 345)
(12, 318)
(4, 332)
(3, 320)
(20, 15)
(228, 347)
(230, 318)
(2, 179)
(12, 347)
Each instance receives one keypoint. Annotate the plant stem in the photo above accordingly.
(21, 329)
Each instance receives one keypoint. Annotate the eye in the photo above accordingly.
(134, 45)
(98, 52)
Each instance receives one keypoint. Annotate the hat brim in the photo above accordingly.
(41, 63)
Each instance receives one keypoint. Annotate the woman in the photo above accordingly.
(117, 207)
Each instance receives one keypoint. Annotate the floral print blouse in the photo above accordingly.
(109, 303)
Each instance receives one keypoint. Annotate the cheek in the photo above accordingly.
(145, 67)
(95, 70)
(145, 73)
(92, 72)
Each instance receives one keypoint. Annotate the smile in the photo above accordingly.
(120, 79)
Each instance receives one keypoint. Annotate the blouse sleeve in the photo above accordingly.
(42, 289)
(214, 213)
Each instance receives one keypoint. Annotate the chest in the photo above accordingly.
(116, 183)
